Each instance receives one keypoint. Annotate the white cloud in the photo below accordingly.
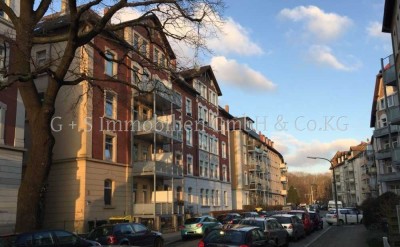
(323, 55)
(233, 38)
(126, 14)
(240, 75)
(295, 152)
(321, 25)
(374, 29)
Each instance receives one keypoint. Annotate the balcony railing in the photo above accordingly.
(389, 177)
(283, 179)
(162, 125)
(389, 72)
(284, 192)
(384, 131)
(165, 98)
(158, 208)
(255, 186)
(394, 115)
(161, 165)
(254, 166)
(383, 154)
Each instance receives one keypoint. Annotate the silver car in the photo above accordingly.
(292, 224)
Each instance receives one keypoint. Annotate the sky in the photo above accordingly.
(304, 71)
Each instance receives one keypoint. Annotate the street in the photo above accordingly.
(330, 236)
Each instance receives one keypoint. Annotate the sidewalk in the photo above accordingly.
(346, 236)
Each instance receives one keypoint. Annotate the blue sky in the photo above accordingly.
(294, 63)
(304, 70)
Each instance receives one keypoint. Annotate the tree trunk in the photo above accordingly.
(31, 193)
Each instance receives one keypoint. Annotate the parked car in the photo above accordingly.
(305, 217)
(126, 234)
(272, 229)
(198, 226)
(249, 214)
(318, 223)
(346, 216)
(292, 224)
(237, 236)
(229, 218)
(51, 238)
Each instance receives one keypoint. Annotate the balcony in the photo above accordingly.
(161, 165)
(254, 166)
(396, 156)
(255, 186)
(162, 126)
(383, 154)
(384, 131)
(163, 97)
(389, 72)
(394, 115)
(284, 179)
(284, 192)
(387, 177)
(283, 167)
(157, 208)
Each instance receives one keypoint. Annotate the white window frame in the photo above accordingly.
(113, 154)
(188, 104)
(111, 191)
(189, 165)
(114, 104)
(114, 65)
(3, 110)
(223, 147)
(224, 173)
(189, 136)
(41, 57)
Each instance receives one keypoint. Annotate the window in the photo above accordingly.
(135, 75)
(223, 147)
(382, 103)
(201, 199)
(109, 148)
(136, 41)
(226, 198)
(143, 48)
(188, 107)
(207, 202)
(110, 105)
(224, 173)
(3, 109)
(206, 169)
(40, 58)
(156, 56)
(189, 161)
(223, 128)
(190, 196)
(390, 100)
(3, 61)
(107, 192)
(246, 179)
(163, 61)
(212, 197)
(217, 197)
(189, 136)
(110, 64)
(211, 170)
(201, 172)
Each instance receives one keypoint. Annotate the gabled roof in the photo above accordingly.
(197, 72)
(378, 81)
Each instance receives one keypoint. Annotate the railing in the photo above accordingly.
(162, 165)
(284, 192)
(383, 154)
(394, 114)
(389, 72)
(158, 208)
(254, 166)
(283, 179)
(255, 186)
(160, 125)
(385, 130)
(389, 177)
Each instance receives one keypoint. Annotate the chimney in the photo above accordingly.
(227, 108)
(64, 6)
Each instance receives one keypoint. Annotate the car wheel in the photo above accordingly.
(184, 238)
(330, 224)
(341, 222)
(158, 243)
(295, 237)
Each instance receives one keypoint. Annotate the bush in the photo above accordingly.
(377, 210)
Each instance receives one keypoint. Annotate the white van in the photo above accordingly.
(332, 206)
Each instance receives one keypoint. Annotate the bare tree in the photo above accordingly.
(22, 71)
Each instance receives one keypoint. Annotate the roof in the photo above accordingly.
(283, 215)
(375, 99)
(197, 72)
(388, 16)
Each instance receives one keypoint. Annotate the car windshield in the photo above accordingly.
(192, 221)
(253, 223)
(225, 237)
(282, 220)
(300, 215)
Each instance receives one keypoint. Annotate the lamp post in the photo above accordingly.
(334, 185)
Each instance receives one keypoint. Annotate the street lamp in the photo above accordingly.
(334, 185)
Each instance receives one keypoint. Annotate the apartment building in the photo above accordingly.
(258, 170)
(354, 175)
(206, 142)
(384, 119)
(385, 115)
(12, 121)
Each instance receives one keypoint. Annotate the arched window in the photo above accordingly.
(107, 192)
